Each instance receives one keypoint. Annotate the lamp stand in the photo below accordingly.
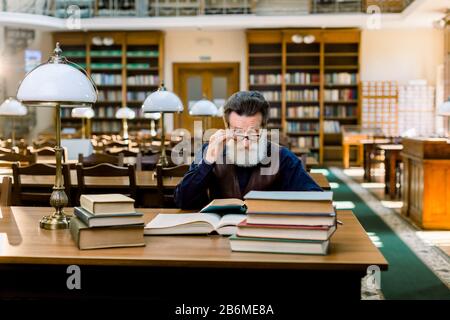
(88, 128)
(58, 199)
(83, 129)
(125, 129)
(13, 133)
(163, 161)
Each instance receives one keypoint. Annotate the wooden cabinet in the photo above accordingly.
(426, 182)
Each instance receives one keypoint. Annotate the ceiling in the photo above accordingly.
(420, 14)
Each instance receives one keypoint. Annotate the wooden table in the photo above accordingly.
(369, 146)
(426, 181)
(33, 262)
(391, 159)
(352, 140)
(144, 180)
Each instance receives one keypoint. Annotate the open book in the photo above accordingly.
(225, 206)
(193, 223)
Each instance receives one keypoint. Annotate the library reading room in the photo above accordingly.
(223, 158)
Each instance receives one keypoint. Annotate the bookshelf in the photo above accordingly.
(315, 91)
(341, 101)
(126, 67)
(302, 76)
(265, 71)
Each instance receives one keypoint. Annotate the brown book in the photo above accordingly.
(106, 237)
(303, 208)
(99, 204)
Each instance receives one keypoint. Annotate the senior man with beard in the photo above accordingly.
(232, 163)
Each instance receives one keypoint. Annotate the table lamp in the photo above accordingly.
(84, 113)
(153, 117)
(57, 83)
(162, 101)
(205, 109)
(125, 114)
(12, 108)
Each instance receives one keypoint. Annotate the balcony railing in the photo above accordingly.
(174, 8)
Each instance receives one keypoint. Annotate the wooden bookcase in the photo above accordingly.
(126, 67)
(265, 71)
(316, 86)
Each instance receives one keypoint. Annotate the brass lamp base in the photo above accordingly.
(58, 220)
(55, 221)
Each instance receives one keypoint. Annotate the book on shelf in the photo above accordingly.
(136, 80)
(106, 204)
(263, 79)
(270, 245)
(105, 220)
(302, 78)
(341, 78)
(302, 95)
(331, 126)
(303, 112)
(302, 126)
(271, 95)
(109, 95)
(106, 237)
(340, 94)
(299, 232)
(341, 111)
(106, 79)
(305, 142)
(193, 223)
(225, 206)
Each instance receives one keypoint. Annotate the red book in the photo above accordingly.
(297, 232)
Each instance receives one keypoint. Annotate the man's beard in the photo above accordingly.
(238, 155)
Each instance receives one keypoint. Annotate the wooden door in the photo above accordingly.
(213, 81)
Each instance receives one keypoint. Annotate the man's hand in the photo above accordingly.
(216, 144)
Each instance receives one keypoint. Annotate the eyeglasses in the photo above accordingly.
(239, 135)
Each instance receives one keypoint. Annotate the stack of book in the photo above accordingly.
(107, 221)
(286, 222)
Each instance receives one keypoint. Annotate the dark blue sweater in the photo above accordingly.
(191, 193)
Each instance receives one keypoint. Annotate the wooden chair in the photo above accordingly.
(98, 158)
(38, 195)
(47, 153)
(44, 143)
(5, 195)
(167, 200)
(105, 170)
(116, 144)
(8, 159)
(129, 157)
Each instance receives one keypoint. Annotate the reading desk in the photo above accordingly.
(34, 262)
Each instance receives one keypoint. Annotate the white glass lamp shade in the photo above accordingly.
(162, 101)
(12, 107)
(57, 81)
(203, 108)
(83, 112)
(152, 115)
(125, 113)
(444, 109)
